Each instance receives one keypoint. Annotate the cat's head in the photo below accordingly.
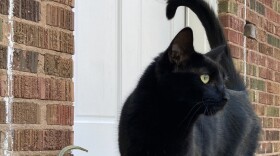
(191, 78)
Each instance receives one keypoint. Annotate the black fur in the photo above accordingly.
(172, 112)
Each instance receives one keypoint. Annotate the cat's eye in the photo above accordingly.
(205, 78)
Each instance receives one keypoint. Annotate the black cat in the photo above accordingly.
(183, 104)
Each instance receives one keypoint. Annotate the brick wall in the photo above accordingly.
(41, 111)
(262, 61)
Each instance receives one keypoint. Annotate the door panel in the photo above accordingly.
(96, 76)
(99, 138)
(96, 58)
(145, 33)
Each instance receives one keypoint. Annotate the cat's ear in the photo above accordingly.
(181, 47)
(218, 53)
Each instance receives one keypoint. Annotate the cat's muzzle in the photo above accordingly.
(214, 106)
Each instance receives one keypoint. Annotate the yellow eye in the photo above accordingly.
(205, 78)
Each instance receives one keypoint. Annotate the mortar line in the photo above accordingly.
(8, 141)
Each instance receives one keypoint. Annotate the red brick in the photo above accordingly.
(57, 89)
(234, 36)
(270, 75)
(268, 3)
(270, 27)
(3, 85)
(26, 61)
(42, 38)
(69, 91)
(252, 44)
(28, 140)
(236, 51)
(232, 22)
(278, 31)
(53, 15)
(47, 88)
(53, 114)
(276, 147)
(271, 15)
(265, 49)
(57, 139)
(32, 36)
(272, 88)
(267, 122)
(253, 57)
(67, 42)
(58, 66)
(42, 88)
(276, 123)
(4, 7)
(39, 140)
(252, 70)
(17, 86)
(262, 60)
(20, 31)
(277, 100)
(48, 11)
(28, 9)
(270, 99)
(71, 3)
(260, 110)
(60, 115)
(61, 90)
(26, 113)
(54, 43)
(252, 17)
(29, 87)
(61, 17)
(276, 52)
(272, 64)
(265, 148)
(66, 2)
(261, 22)
(261, 35)
(262, 97)
(272, 135)
(54, 89)
(23, 7)
(2, 113)
(263, 72)
(277, 77)
(3, 56)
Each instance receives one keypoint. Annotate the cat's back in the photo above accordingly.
(231, 132)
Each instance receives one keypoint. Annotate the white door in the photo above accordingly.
(115, 40)
(96, 76)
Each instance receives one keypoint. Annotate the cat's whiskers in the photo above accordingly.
(179, 125)
(192, 117)
(190, 113)
(206, 107)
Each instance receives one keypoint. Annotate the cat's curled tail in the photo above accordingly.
(215, 35)
(205, 14)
